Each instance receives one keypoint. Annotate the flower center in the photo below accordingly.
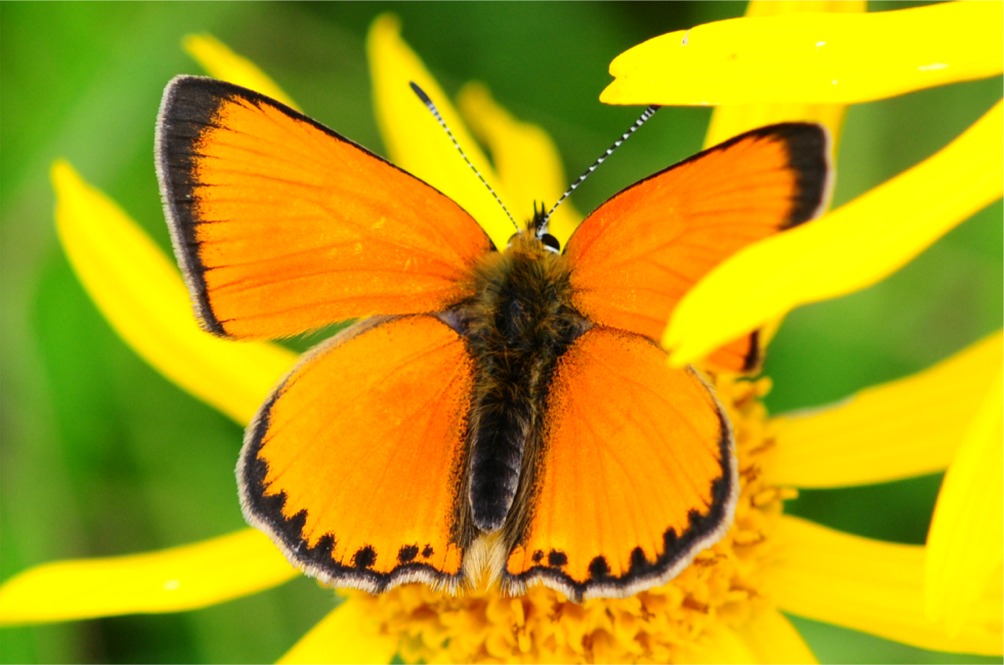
(721, 588)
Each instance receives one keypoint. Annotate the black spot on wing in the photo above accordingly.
(364, 557)
(639, 561)
(407, 553)
(599, 569)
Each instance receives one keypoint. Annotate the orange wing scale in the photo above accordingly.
(283, 226)
(637, 475)
(352, 464)
(639, 252)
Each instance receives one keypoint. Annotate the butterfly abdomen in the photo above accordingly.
(517, 326)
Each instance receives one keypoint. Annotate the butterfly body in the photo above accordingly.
(503, 412)
(520, 321)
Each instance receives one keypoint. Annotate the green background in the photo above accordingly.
(102, 456)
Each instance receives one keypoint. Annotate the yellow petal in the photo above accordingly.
(768, 637)
(171, 580)
(414, 139)
(526, 159)
(873, 587)
(733, 119)
(773, 639)
(346, 635)
(220, 62)
(719, 644)
(899, 429)
(847, 250)
(812, 58)
(141, 294)
(966, 542)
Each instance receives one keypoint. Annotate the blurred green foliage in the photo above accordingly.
(100, 455)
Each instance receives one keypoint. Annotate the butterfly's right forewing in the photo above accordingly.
(282, 226)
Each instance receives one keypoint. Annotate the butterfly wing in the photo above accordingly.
(352, 465)
(283, 226)
(636, 255)
(637, 474)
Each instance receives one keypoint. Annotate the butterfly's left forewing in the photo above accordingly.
(352, 465)
(636, 476)
(636, 255)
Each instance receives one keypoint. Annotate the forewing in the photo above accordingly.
(636, 477)
(638, 253)
(283, 226)
(352, 465)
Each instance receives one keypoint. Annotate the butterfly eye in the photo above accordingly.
(550, 243)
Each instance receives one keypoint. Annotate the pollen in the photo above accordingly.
(722, 588)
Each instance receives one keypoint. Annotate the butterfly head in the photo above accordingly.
(537, 230)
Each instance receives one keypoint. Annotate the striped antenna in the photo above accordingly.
(442, 123)
(645, 116)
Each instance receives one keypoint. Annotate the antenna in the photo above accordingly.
(645, 116)
(442, 123)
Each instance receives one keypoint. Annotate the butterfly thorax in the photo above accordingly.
(520, 321)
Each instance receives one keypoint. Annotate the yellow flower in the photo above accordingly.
(804, 57)
(838, 60)
(727, 606)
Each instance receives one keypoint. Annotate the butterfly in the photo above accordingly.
(500, 413)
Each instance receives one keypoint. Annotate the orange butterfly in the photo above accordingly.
(502, 411)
